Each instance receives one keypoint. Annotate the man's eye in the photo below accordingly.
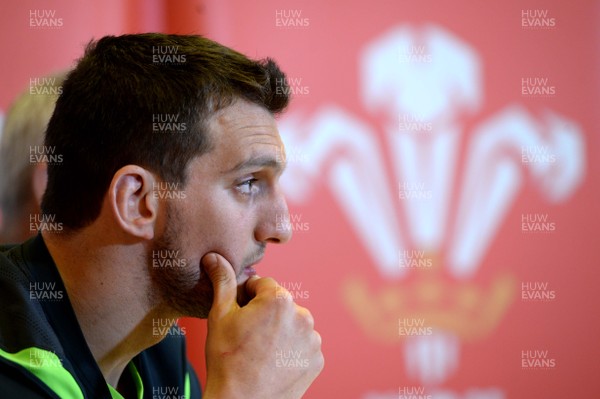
(248, 187)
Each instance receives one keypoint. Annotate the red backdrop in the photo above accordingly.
(442, 179)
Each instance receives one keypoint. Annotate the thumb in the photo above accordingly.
(223, 280)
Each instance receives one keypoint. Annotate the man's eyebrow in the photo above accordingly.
(259, 162)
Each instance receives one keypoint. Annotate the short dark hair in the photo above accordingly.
(106, 118)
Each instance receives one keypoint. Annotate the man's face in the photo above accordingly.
(233, 205)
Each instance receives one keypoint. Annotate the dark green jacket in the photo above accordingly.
(43, 353)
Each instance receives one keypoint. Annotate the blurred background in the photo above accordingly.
(442, 178)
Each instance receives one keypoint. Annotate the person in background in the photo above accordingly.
(22, 174)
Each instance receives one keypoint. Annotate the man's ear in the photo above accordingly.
(132, 201)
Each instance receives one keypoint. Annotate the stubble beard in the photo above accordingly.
(187, 290)
(184, 288)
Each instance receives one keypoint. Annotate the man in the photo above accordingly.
(23, 177)
(163, 199)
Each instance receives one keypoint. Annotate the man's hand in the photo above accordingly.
(265, 349)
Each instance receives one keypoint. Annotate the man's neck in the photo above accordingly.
(110, 291)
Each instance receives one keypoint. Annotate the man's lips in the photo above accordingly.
(249, 271)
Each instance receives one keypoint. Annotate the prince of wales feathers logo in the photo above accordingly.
(421, 91)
